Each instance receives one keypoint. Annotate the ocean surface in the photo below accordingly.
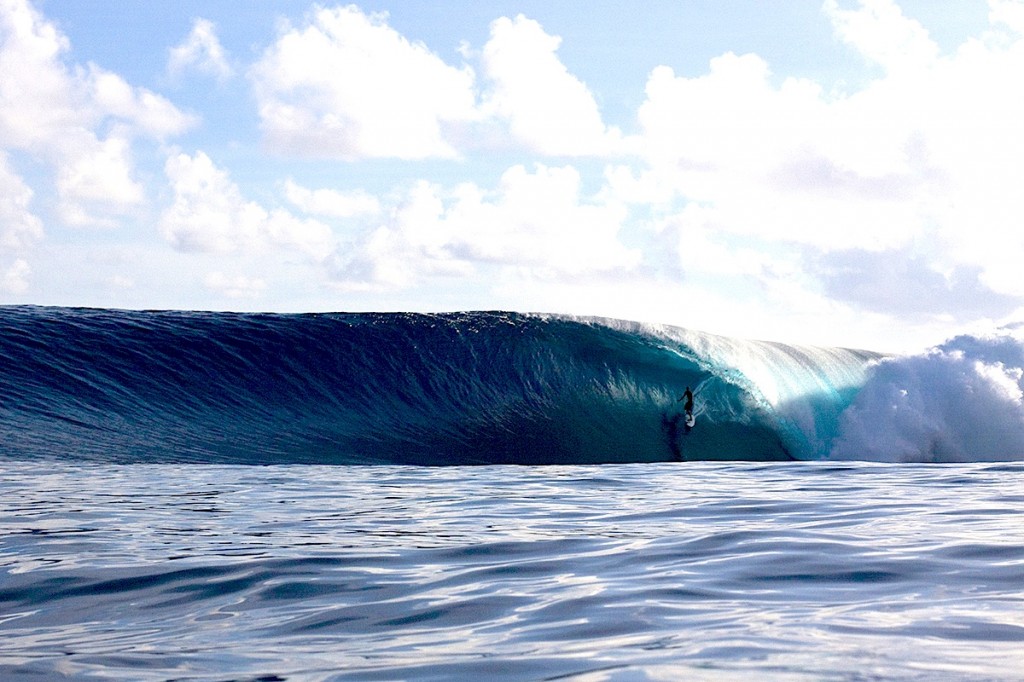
(214, 496)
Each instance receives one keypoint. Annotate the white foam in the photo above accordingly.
(962, 401)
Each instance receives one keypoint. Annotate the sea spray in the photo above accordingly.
(958, 402)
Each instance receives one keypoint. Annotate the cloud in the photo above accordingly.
(331, 203)
(209, 214)
(951, 123)
(37, 94)
(539, 219)
(19, 227)
(731, 118)
(15, 278)
(544, 106)
(80, 121)
(758, 160)
(1009, 13)
(414, 243)
(882, 34)
(200, 51)
(97, 183)
(897, 197)
(905, 284)
(132, 110)
(348, 86)
(537, 222)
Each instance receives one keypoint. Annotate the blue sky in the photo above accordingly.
(837, 172)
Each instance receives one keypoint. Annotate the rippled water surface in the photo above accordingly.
(672, 571)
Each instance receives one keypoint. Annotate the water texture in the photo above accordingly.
(717, 571)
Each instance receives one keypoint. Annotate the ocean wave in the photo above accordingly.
(478, 388)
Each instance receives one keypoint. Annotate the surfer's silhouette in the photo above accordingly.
(688, 404)
(687, 400)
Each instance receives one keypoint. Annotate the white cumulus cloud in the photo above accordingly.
(209, 214)
(544, 105)
(881, 32)
(97, 181)
(347, 85)
(801, 186)
(80, 120)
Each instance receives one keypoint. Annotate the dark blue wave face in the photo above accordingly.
(461, 388)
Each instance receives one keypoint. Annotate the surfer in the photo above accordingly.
(687, 400)
(688, 404)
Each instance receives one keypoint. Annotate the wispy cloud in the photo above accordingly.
(201, 51)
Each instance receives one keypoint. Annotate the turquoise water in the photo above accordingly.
(708, 571)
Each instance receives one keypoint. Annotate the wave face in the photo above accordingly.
(459, 388)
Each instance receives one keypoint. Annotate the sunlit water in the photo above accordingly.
(668, 571)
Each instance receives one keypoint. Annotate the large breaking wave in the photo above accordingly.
(483, 387)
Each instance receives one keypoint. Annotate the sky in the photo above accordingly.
(832, 173)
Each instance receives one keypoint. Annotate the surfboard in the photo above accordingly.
(690, 420)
